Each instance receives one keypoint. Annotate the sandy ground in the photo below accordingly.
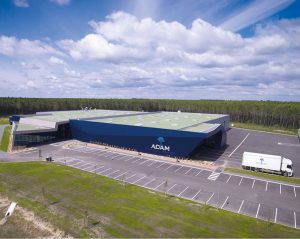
(23, 223)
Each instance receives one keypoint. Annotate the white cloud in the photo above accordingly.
(124, 56)
(11, 46)
(61, 2)
(56, 61)
(21, 3)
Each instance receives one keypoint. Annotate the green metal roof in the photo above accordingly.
(166, 120)
(193, 122)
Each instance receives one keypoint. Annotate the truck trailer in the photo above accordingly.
(267, 163)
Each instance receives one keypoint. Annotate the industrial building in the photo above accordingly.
(175, 134)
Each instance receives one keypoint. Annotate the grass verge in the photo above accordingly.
(272, 129)
(264, 175)
(5, 139)
(88, 205)
(4, 120)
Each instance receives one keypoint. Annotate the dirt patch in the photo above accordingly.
(23, 223)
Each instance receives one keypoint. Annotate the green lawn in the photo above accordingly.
(66, 196)
(5, 139)
(264, 175)
(4, 120)
(272, 129)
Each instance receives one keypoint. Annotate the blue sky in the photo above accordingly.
(185, 49)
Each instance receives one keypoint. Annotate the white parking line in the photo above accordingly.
(161, 165)
(138, 180)
(168, 167)
(149, 182)
(128, 159)
(144, 161)
(267, 186)
(104, 170)
(178, 169)
(98, 167)
(241, 206)
(253, 183)
(224, 202)
(199, 172)
(73, 165)
(90, 165)
(210, 198)
(295, 192)
(159, 185)
(124, 156)
(295, 219)
(280, 188)
(151, 163)
(196, 194)
(228, 179)
(275, 220)
(182, 192)
(238, 145)
(188, 171)
(130, 176)
(120, 175)
(136, 160)
(112, 172)
(115, 156)
(78, 164)
(257, 210)
(171, 187)
(241, 181)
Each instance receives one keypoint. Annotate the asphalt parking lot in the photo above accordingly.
(258, 198)
(264, 199)
(240, 140)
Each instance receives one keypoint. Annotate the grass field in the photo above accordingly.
(264, 175)
(272, 129)
(5, 139)
(4, 120)
(88, 205)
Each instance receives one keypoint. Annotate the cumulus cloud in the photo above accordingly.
(21, 3)
(201, 57)
(11, 46)
(124, 56)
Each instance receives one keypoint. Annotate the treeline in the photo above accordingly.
(284, 114)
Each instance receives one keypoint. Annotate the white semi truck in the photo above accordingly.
(267, 163)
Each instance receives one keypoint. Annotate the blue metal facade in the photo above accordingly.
(142, 139)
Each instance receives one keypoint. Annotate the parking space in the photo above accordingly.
(217, 200)
(286, 217)
(234, 180)
(223, 178)
(176, 189)
(250, 208)
(287, 191)
(233, 204)
(189, 193)
(203, 196)
(204, 174)
(259, 185)
(247, 182)
(274, 187)
(266, 213)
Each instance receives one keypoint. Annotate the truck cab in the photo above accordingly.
(287, 167)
